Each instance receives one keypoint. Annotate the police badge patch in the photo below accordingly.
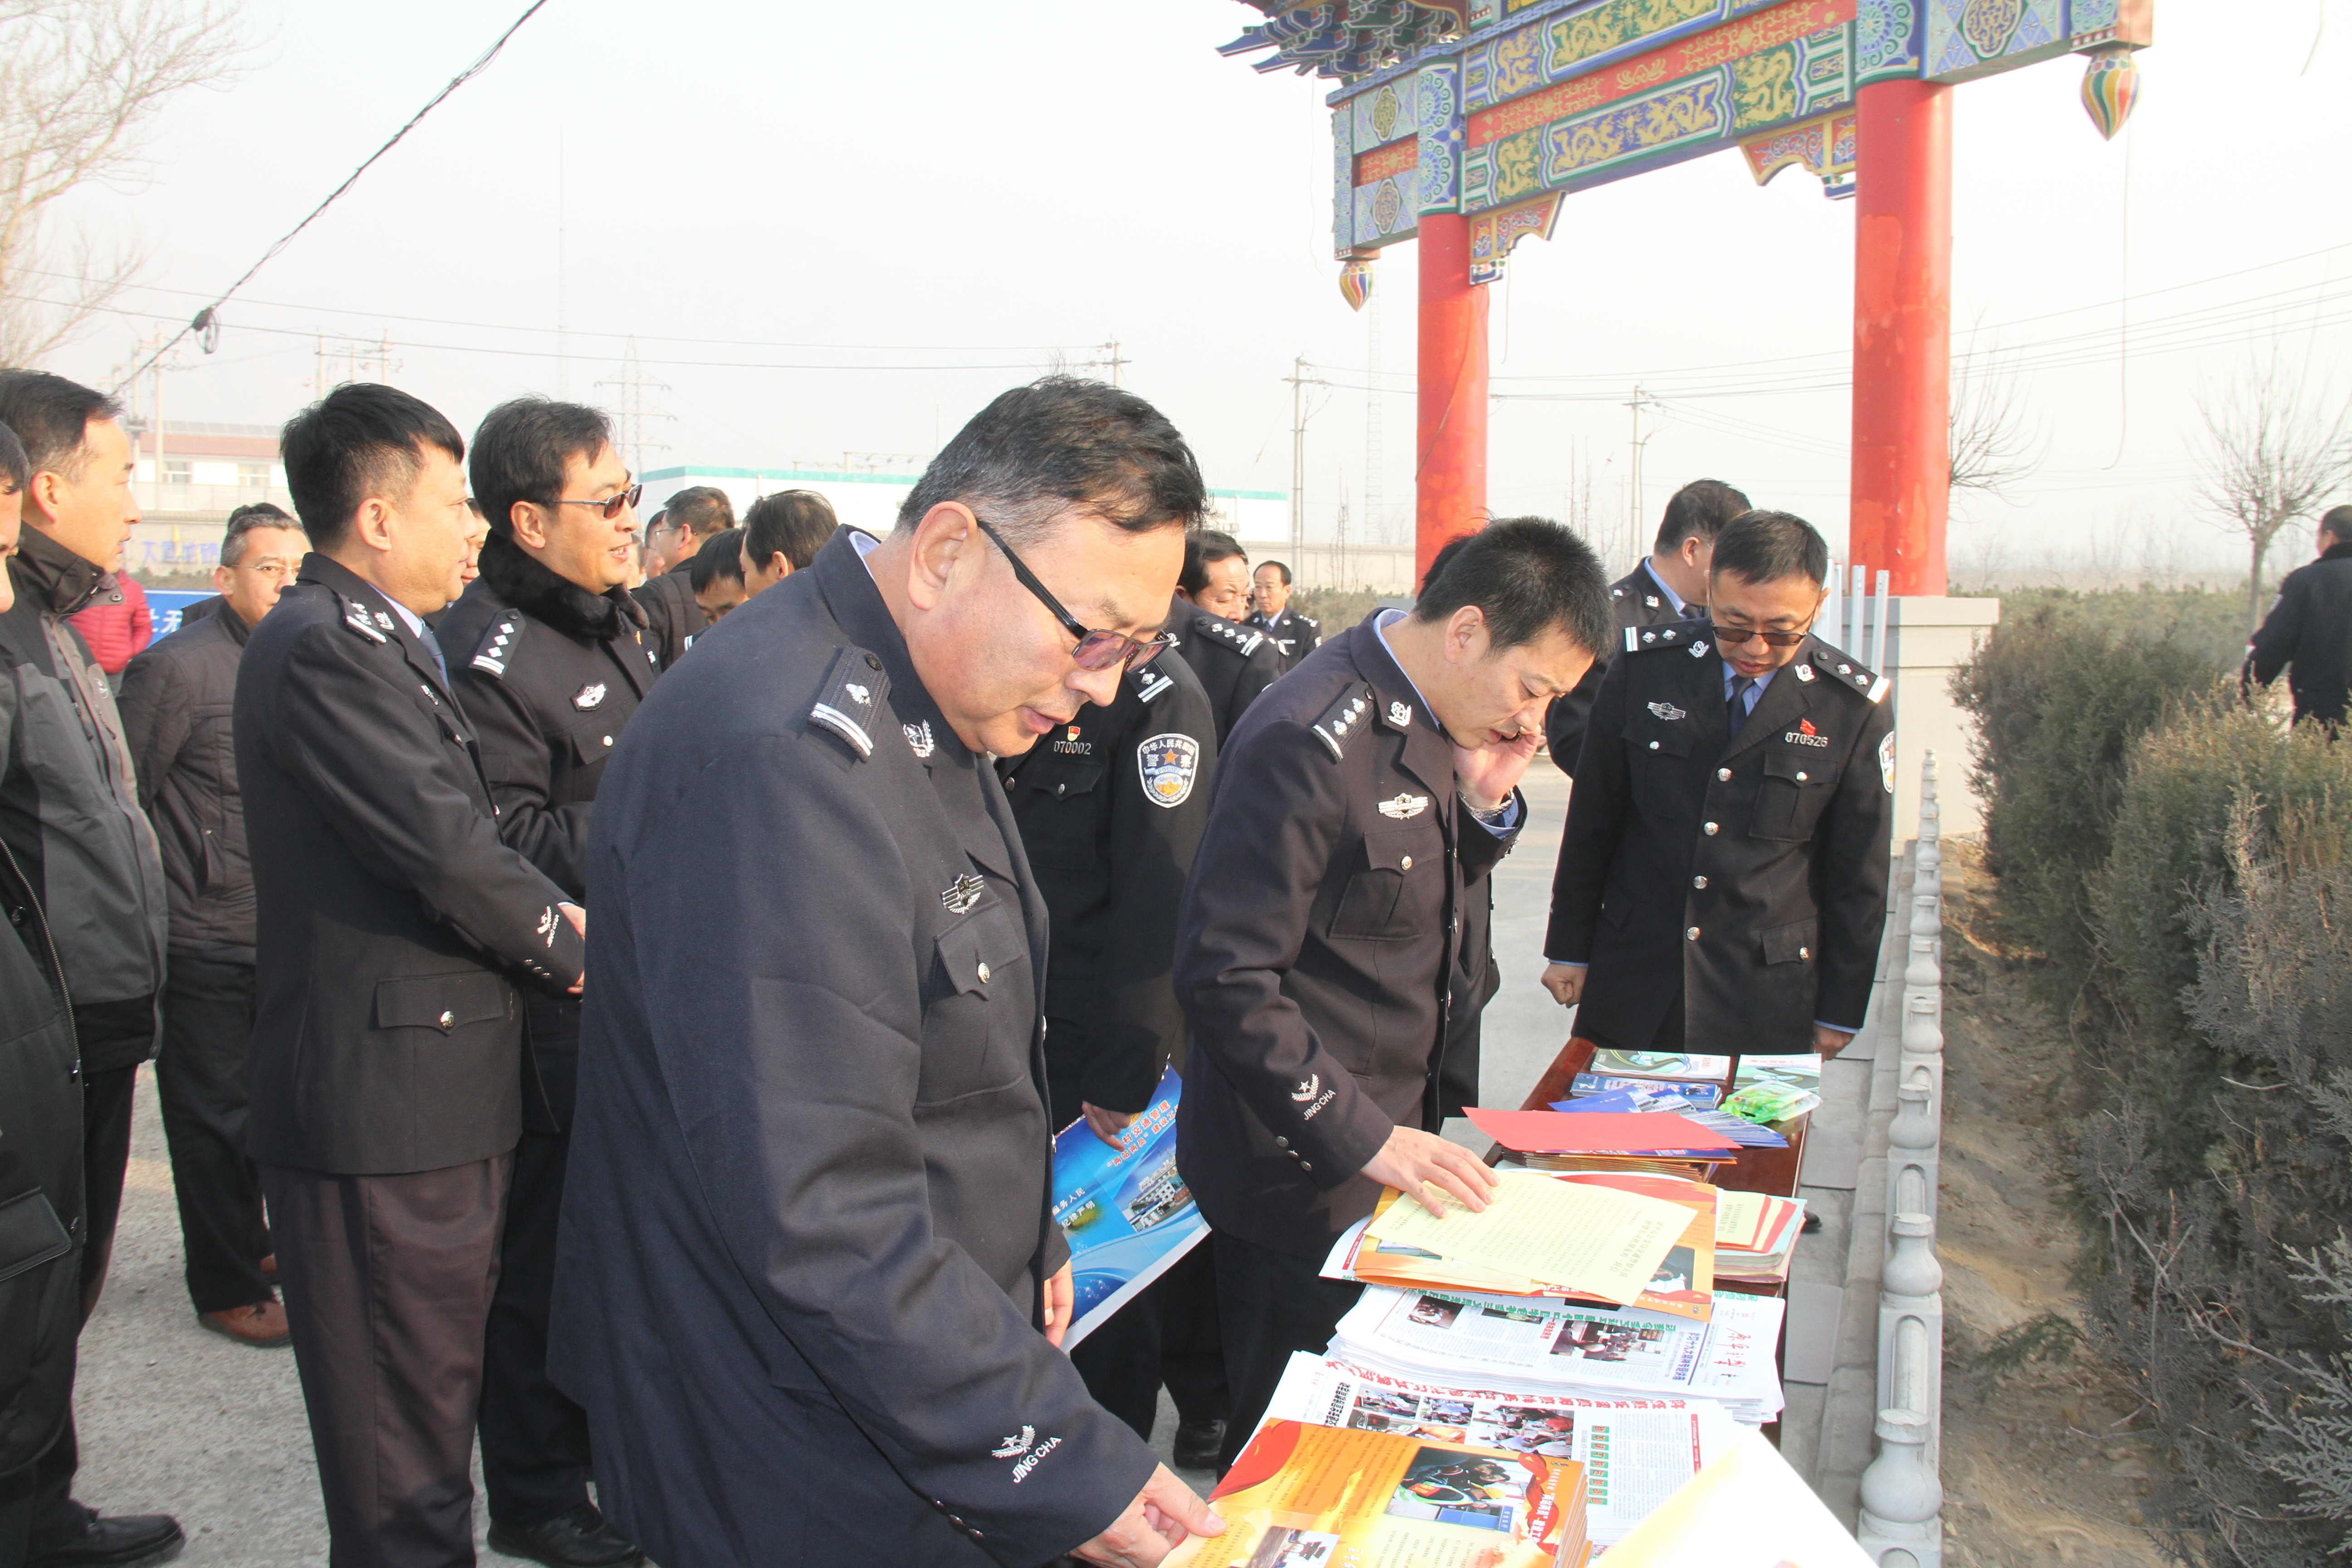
(1169, 763)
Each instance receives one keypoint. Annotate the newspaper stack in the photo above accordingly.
(1466, 1338)
(1756, 1237)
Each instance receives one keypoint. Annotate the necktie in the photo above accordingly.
(1735, 707)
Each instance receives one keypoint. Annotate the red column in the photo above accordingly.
(1903, 334)
(1450, 451)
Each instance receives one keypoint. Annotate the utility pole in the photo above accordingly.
(1634, 519)
(1112, 359)
(1299, 382)
(1375, 530)
(632, 384)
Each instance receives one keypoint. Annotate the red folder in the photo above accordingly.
(1594, 1132)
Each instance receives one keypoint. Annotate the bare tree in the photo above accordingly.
(1995, 443)
(82, 83)
(2273, 449)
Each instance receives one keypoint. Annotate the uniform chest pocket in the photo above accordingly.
(443, 1001)
(1660, 737)
(976, 1034)
(1398, 889)
(1062, 777)
(1790, 795)
(592, 742)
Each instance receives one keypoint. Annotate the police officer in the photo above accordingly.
(1235, 663)
(1353, 808)
(1295, 636)
(391, 927)
(551, 656)
(809, 1283)
(674, 614)
(1722, 882)
(1670, 585)
(2309, 630)
(1110, 808)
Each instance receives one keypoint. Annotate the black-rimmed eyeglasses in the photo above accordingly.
(612, 505)
(1096, 650)
(1736, 636)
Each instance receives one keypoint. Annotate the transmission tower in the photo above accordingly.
(632, 384)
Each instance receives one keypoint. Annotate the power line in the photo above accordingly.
(205, 321)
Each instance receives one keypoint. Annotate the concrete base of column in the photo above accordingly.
(1931, 638)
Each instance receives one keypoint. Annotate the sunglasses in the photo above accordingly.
(1096, 650)
(1736, 637)
(611, 506)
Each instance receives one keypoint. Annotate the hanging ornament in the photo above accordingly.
(1356, 279)
(2110, 88)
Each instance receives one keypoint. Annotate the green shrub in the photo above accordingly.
(2209, 622)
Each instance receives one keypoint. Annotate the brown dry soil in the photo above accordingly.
(2041, 1463)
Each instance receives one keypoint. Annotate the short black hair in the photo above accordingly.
(1204, 549)
(51, 418)
(2336, 521)
(703, 509)
(1063, 442)
(1281, 570)
(1766, 546)
(1527, 575)
(363, 438)
(796, 523)
(720, 555)
(520, 449)
(1701, 509)
(15, 466)
(244, 521)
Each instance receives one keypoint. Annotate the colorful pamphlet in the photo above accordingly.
(1662, 1064)
(1801, 1070)
(1126, 1211)
(1704, 1095)
(1746, 1509)
(1595, 1239)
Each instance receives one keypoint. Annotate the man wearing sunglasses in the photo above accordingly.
(551, 655)
(809, 1288)
(1722, 882)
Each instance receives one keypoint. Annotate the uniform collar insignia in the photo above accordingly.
(919, 737)
(1651, 600)
(588, 696)
(1400, 715)
(384, 620)
(1804, 672)
(959, 896)
(1404, 805)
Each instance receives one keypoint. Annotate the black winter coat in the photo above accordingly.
(2308, 633)
(178, 699)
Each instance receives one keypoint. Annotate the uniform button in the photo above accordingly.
(1282, 1142)
(1405, 863)
(448, 1018)
(1709, 829)
(608, 740)
(1723, 773)
(1691, 934)
(1654, 745)
(1306, 1164)
(1806, 953)
(983, 974)
(1800, 778)
(1698, 881)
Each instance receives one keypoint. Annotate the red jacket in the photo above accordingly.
(117, 624)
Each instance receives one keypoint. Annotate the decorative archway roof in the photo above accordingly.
(1346, 40)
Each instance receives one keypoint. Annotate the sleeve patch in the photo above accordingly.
(1169, 764)
(850, 697)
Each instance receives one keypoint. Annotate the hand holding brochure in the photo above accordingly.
(1126, 1213)
(1595, 1240)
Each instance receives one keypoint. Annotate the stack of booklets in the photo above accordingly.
(1676, 1065)
(1643, 1136)
(1755, 1237)
(1774, 1088)
(1633, 1452)
(1311, 1496)
(1673, 1099)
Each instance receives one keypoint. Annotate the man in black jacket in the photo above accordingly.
(550, 658)
(177, 697)
(70, 812)
(1295, 636)
(393, 926)
(1235, 663)
(2308, 632)
(684, 525)
(809, 1282)
(1722, 880)
(1355, 805)
(1110, 808)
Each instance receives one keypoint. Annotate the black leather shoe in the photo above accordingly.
(1197, 1444)
(133, 1538)
(579, 1538)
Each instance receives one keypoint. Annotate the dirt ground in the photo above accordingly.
(2041, 1463)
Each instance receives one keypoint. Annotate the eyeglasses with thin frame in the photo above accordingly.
(1736, 636)
(612, 505)
(1096, 650)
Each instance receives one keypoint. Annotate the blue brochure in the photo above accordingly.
(1127, 1214)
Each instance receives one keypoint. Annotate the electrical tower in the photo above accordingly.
(1376, 526)
(343, 360)
(632, 384)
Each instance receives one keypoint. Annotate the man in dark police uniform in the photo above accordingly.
(391, 927)
(1354, 807)
(1295, 636)
(1722, 883)
(551, 655)
(1233, 662)
(808, 1285)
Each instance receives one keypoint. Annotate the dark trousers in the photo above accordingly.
(200, 1078)
(17, 1489)
(388, 1283)
(1270, 1304)
(534, 1440)
(1166, 1333)
(105, 1100)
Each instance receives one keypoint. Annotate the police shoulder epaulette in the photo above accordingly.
(498, 644)
(1240, 639)
(850, 696)
(1338, 723)
(1150, 682)
(372, 624)
(1311, 621)
(1673, 634)
(1841, 668)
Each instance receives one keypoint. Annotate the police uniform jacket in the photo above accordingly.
(1748, 872)
(807, 1220)
(1294, 636)
(1235, 663)
(2308, 633)
(1110, 808)
(1319, 944)
(1636, 600)
(392, 924)
(673, 618)
(548, 673)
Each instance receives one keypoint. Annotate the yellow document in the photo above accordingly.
(1737, 1217)
(1595, 1240)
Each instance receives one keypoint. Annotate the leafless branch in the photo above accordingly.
(1995, 443)
(2275, 447)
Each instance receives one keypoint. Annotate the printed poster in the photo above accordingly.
(1126, 1212)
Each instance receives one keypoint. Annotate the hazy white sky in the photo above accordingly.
(945, 196)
